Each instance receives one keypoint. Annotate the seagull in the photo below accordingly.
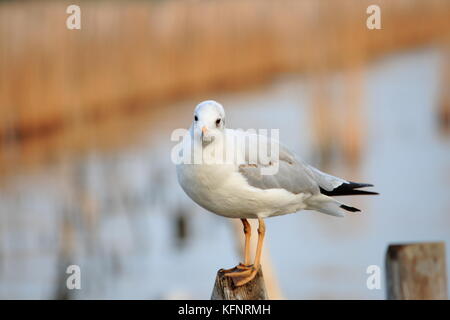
(241, 189)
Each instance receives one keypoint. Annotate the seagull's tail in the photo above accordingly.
(328, 205)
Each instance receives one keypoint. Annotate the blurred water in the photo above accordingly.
(122, 217)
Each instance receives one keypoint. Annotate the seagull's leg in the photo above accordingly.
(248, 233)
(261, 234)
(248, 274)
(256, 265)
(246, 264)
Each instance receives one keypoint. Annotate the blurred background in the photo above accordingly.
(86, 117)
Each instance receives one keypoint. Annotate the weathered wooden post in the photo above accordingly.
(224, 288)
(416, 271)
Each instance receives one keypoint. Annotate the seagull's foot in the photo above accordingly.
(242, 274)
(242, 266)
(237, 268)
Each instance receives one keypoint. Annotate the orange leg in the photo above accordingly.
(246, 264)
(261, 234)
(249, 273)
(248, 233)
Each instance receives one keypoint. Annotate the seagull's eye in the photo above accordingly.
(217, 122)
(196, 118)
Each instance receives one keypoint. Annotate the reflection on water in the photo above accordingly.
(124, 220)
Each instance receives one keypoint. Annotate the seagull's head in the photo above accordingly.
(209, 120)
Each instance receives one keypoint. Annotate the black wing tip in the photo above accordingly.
(356, 185)
(363, 192)
(351, 209)
(349, 188)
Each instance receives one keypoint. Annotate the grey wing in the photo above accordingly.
(292, 175)
(296, 176)
(326, 181)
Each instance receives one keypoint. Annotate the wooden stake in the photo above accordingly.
(416, 271)
(224, 288)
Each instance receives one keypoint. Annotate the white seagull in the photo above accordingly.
(239, 189)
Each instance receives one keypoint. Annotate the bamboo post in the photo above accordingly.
(224, 288)
(416, 271)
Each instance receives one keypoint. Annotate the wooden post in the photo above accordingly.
(416, 271)
(224, 288)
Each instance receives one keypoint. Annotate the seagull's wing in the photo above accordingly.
(296, 176)
(292, 175)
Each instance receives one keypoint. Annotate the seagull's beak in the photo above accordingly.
(206, 138)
